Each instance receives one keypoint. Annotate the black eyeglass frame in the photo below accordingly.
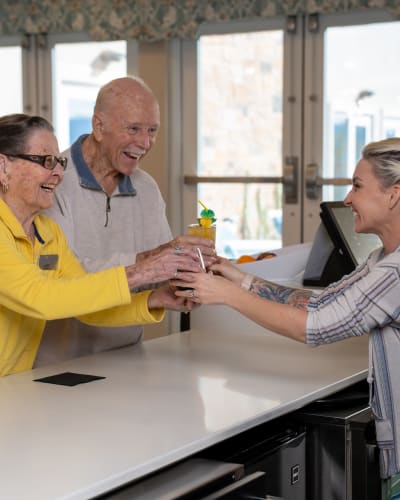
(43, 160)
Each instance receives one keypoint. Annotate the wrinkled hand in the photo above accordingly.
(185, 243)
(162, 266)
(165, 297)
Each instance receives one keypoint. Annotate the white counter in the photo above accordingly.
(160, 402)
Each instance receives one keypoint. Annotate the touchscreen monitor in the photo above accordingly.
(337, 249)
(339, 222)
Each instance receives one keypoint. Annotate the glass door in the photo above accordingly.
(274, 119)
(240, 136)
(238, 170)
(352, 71)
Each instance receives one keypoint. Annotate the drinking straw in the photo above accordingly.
(202, 204)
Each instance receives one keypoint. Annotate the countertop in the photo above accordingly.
(160, 402)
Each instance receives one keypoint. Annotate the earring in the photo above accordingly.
(4, 187)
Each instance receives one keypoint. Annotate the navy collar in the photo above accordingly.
(37, 234)
(88, 180)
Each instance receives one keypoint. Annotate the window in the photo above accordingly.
(79, 70)
(281, 117)
(11, 86)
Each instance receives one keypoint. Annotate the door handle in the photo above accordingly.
(290, 179)
(314, 182)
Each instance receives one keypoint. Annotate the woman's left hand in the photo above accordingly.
(207, 288)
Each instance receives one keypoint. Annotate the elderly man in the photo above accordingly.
(112, 212)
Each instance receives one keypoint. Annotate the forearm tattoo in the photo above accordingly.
(296, 297)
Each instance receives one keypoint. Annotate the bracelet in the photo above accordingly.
(247, 281)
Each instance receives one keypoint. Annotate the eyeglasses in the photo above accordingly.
(46, 161)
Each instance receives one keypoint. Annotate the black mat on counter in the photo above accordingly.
(69, 378)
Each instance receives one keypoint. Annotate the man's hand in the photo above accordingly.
(162, 266)
(183, 243)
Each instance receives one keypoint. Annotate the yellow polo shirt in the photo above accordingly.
(45, 281)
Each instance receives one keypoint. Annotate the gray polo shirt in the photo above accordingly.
(103, 232)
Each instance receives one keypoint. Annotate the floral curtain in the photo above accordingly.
(154, 20)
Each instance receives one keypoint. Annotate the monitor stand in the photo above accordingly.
(325, 263)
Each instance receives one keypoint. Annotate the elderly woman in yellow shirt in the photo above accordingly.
(40, 277)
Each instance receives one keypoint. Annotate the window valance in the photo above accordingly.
(154, 20)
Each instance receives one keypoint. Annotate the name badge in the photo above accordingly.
(48, 262)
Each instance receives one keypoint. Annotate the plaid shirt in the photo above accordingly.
(367, 301)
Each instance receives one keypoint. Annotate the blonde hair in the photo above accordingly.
(384, 156)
